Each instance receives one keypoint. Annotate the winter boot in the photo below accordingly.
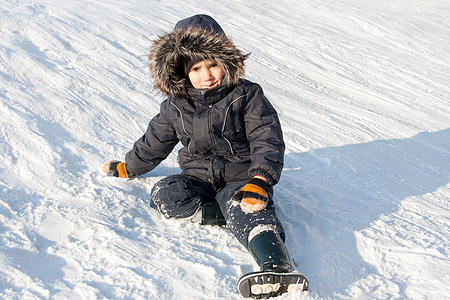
(209, 214)
(277, 275)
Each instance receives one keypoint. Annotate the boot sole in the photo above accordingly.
(267, 284)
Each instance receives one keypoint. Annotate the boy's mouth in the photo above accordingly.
(210, 85)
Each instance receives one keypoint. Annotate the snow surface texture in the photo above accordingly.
(362, 89)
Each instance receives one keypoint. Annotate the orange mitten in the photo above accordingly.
(253, 196)
(115, 168)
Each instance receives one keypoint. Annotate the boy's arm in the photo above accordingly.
(154, 146)
(265, 136)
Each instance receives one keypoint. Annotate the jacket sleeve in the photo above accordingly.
(264, 135)
(154, 146)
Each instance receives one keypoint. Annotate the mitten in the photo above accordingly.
(253, 196)
(115, 168)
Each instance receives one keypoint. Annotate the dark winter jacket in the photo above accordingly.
(228, 133)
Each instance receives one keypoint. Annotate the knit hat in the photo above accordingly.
(189, 62)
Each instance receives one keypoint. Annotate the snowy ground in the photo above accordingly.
(363, 91)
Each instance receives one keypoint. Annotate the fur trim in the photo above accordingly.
(169, 49)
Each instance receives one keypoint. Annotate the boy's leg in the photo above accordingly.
(262, 234)
(180, 196)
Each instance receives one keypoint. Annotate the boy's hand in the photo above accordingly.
(253, 196)
(115, 168)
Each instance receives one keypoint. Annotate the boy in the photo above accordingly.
(232, 152)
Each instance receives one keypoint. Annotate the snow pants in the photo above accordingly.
(180, 196)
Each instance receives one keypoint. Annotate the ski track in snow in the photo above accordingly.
(362, 89)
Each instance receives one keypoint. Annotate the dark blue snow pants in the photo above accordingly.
(180, 196)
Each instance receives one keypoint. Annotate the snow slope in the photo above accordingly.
(362, 88)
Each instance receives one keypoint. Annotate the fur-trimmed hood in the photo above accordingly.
(197, 36)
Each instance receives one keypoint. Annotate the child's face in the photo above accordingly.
(206, 74)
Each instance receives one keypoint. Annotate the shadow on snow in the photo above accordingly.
(326, 195)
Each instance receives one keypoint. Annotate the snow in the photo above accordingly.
(362, 89)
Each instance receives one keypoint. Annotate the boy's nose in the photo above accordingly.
(207, 74)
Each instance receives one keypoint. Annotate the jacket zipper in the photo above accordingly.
(184, 128)
(225, 120)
